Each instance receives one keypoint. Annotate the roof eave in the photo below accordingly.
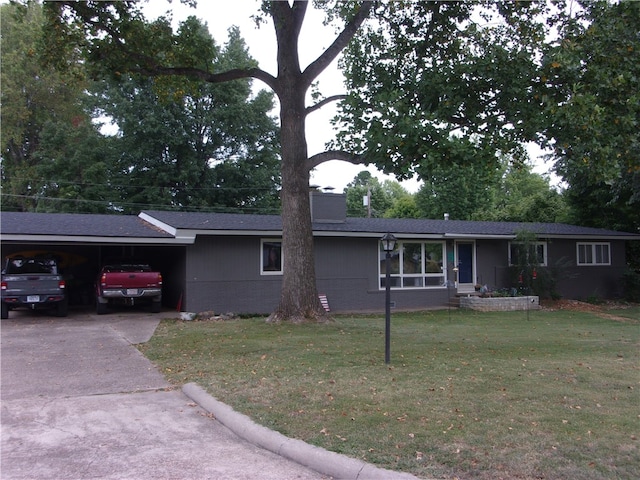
(589, 237)
(92, 239)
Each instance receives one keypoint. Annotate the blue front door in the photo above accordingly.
(465, 263)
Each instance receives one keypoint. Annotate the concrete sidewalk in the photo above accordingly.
(79, 401)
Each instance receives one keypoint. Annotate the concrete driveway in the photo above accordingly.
(79, 401)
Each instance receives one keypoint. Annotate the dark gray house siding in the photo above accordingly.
(582, 281)
(571, 280)
(223, 275)
(492, 261)
(347, 272)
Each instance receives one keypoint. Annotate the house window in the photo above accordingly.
(535, 254)
(594, 254)
(414, 265)
(271, 257)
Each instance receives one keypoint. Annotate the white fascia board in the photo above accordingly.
(67, 239)
(544, 235)
(180, 235)
(185, 236)
(600, 238)
(165, 227)
(322, 233)
(469, 236)
(235, 233)
(427, 236)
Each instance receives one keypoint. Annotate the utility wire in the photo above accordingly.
(117, 207)
(44, 182)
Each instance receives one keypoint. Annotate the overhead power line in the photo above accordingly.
(116, 207)
(43, 182)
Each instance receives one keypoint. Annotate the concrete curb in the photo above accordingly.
(316, 458)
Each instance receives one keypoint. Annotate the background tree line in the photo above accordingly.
(511, 194)
(166, 144)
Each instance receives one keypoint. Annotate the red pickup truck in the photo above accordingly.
(128, 282)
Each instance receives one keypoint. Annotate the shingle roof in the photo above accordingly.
(133, 227)
(217, 221)
(238, 222)
(72, 224)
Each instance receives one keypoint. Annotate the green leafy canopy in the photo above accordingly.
(423, 75)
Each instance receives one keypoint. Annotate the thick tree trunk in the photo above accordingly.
(299, 300)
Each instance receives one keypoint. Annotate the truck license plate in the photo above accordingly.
(33, 298)
(132, 291)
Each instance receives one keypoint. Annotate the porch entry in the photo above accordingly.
(465, 261)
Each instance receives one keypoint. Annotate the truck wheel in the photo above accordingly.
(5, 311)
(62, 308)
(101, 308)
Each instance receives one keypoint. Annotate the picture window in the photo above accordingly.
(414, 265)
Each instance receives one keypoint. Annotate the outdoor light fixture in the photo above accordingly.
(388, 244)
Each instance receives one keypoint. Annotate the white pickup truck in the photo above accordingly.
(32, 282)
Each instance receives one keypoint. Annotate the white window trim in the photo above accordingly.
(544, 252)
(401, 275)
(593, 254)
(261, 259)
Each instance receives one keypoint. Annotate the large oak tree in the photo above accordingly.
(407, 120)
(179, 143)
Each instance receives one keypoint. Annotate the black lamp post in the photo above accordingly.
(388, 244)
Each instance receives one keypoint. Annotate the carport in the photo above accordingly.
(83, 241)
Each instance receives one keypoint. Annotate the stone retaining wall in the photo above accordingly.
(500, 304)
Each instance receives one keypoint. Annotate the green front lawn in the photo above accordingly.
(553, 395)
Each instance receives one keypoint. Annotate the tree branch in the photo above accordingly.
(319, 105)
(235, 74)
(147, 64)
(322, 157)
(287, 22)
(281, 12)
(339, 44)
